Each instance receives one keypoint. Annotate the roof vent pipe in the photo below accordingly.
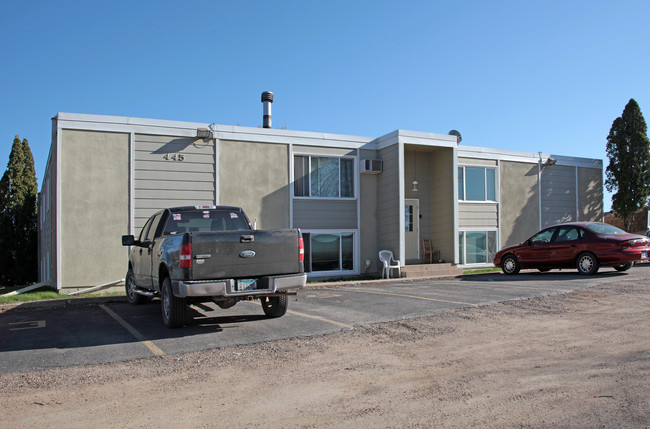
(267, 99)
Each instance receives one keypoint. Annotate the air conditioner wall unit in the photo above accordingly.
(372, 166)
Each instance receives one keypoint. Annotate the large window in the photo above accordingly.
(323, 177)
(325, 252)
(477, 247)
(476, 184)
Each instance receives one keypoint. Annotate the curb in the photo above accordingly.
(57, 303)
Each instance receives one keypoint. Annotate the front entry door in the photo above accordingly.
(412, 230)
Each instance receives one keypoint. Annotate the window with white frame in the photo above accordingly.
(476, 183)
(323, 177)
(476, 247)
(328, 251)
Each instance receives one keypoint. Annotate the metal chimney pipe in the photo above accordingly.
(267, 99)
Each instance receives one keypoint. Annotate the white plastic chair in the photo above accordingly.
(390, 263)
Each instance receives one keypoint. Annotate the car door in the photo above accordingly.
(564, 248)
(536, 252)
(142, 262)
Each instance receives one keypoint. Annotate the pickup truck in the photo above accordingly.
(198, 254)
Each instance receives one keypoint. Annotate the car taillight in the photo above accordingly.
(301, 250)
(632, 243)
(186, 255)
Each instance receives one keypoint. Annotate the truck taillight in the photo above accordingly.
(301, 250)
(186, 255)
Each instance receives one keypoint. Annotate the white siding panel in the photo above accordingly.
(477, 215)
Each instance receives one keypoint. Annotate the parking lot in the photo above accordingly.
(114, 331)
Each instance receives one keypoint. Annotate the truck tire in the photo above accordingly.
(173, 308)
(275, 306)
(129, 284)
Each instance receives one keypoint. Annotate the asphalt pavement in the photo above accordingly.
(78, 332)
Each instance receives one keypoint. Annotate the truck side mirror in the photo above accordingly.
(128, 240)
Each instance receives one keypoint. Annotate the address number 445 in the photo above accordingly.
(174, 157)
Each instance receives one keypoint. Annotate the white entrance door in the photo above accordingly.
(412, 230)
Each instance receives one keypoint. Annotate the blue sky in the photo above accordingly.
(547, 76)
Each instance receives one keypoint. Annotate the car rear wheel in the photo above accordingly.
(624, 267)
(173, 308)
(510, 265)
(275, 306)
(587, 264)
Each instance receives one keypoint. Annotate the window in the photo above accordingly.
(323, 177)
(476, 247)
(205, 221)
(408, 221)
(543, 237)
(329, 251)
(568, 233)
(476, 184)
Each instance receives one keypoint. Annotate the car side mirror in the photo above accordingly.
(128, 240)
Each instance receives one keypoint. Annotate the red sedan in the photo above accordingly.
(582, 245)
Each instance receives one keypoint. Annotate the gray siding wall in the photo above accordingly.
(325, 214)
(368, 226)
(161, 183)
(558, 195)
(483, 215)
(388, 228)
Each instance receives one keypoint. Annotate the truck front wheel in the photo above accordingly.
(275, 306)
(173, 308)
(131, 295)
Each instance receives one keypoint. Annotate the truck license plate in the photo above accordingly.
(244, 285)
(644, 255)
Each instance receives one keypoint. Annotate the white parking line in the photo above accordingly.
(412, 296)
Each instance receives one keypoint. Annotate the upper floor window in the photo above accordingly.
(476, 184)
(323, 177)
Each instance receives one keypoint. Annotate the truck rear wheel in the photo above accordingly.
(275, 306)
(173, 308)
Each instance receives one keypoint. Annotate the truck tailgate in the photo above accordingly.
(244, 254)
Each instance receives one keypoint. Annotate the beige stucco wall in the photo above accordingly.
(94, 207)
(255, 176)
(519, 203)
(442, 203)
(590, 194)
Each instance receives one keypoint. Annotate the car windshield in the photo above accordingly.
(604, 229)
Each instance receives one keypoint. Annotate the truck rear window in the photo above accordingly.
(205, 221)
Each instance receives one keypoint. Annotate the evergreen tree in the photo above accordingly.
(628, 150)
(18, 217)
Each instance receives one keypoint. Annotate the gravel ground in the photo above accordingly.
(574, 360)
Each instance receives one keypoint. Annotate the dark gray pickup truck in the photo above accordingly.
(211, 253)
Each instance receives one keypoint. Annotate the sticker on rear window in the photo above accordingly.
(233, 215)
(176, 216)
